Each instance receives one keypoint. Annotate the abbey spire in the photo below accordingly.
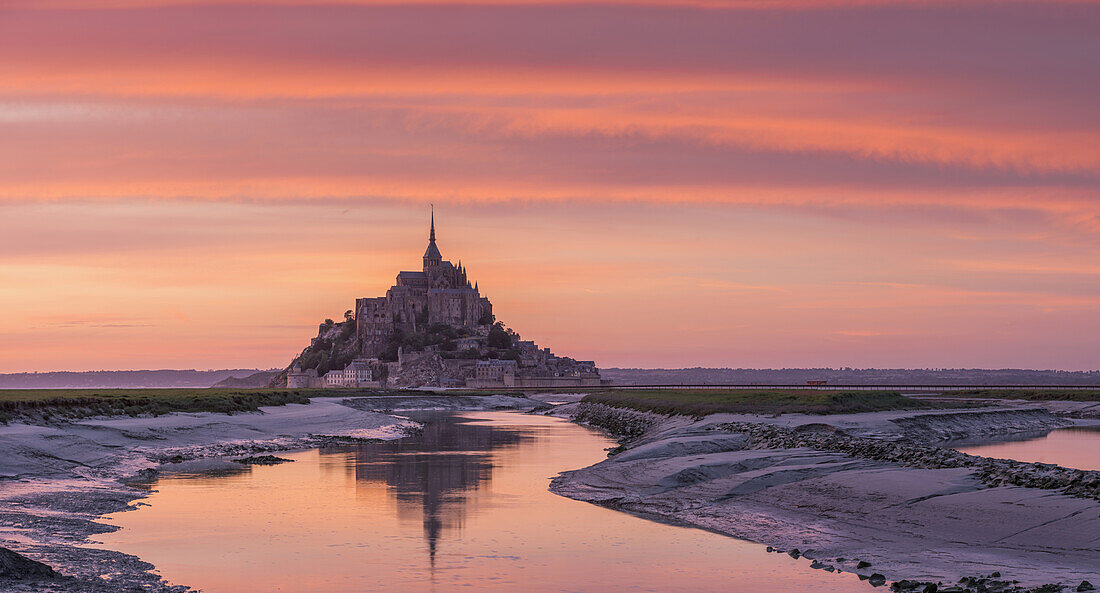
(432, 257)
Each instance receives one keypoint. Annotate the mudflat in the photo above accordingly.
(913, 512)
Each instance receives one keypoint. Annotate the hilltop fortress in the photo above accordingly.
(433, 328)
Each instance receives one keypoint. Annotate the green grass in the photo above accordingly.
(46, 404)
(700, 402)
(1073, 395)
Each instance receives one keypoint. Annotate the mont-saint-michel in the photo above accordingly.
(433, 328)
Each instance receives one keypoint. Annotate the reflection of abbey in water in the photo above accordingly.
(432, 475)
(434, 328)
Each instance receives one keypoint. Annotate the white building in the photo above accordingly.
(334, 378)
(356, 374)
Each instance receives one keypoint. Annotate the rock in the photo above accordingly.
(995, 575)
(877, 580)
(1085, 586)
(769, 549)
(262, 460)
(794, 553)
(17, 566)
(863, 564)
(931, 588)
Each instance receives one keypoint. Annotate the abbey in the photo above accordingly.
(433, 328)
(439, 293)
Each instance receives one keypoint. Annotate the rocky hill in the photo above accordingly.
(260, 379)
(334, 348)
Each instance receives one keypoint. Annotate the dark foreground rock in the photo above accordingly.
(18, 566)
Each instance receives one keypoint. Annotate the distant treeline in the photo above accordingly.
(849, 376)
(119, 379)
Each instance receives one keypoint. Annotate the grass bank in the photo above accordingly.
(700, 402)
(47, 404)
(1068, 395)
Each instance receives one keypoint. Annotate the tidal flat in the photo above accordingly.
(851, 499)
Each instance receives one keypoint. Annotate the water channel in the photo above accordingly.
(464, 506)
(1077, 447)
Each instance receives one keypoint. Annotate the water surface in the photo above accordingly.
(1077, 447)
(462, 507)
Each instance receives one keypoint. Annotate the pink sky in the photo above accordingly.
(715, 183)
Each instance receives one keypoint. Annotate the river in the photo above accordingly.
(464, 506)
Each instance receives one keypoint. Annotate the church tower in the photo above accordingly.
(432, 257)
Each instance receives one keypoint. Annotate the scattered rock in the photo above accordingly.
(146, 474)
(1085, 586)
(989, 584)
(992, 472)
(18, 566)
(623, 423)
(794, 553)
(863, 564)
(907, 585)
(876, 580)
(262, 460)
